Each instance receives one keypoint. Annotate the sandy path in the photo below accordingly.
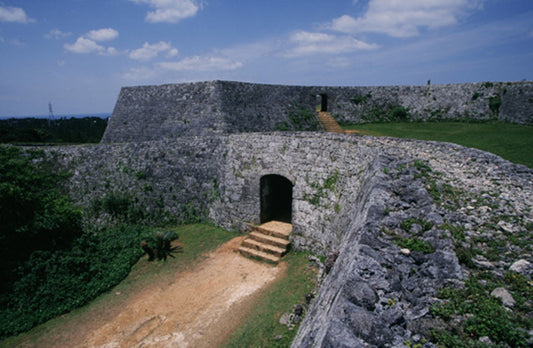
(196, 308)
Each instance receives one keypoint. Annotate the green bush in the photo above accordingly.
(300, 119)
(360, 99)
(158, 245)
(116, 204)
(494, 104)
(388, 113)
(35, 215)
(53, 283)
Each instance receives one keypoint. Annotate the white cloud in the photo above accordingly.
(201, 63)
(87, 43)
(150, 51)
(405, 18)
(307, 43)
(170, 11)
(111, 51)
(172, 53)
(14, 14)
(84, 45)
(106, 34)
(56, 34)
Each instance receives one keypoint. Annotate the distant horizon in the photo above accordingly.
(60, 116)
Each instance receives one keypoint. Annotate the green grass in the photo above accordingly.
(510, 141)
(262, 324)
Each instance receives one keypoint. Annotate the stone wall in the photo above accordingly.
(221, 107)
(218, 179)
(165, 112)
(326, 171)
(351, 194)
(165, 181)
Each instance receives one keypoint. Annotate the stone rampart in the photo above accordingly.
(356, 195)
(223, 107)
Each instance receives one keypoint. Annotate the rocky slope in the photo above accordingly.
(439, 252)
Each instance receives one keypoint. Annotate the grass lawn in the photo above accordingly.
(510, 141)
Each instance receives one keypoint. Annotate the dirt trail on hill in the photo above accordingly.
(195, 308)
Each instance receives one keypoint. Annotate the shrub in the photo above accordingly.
(158, 245)
(494, 104)
(415, 244)
(116, 205)
(360, 99)
(52, 283)
(34, 213)
(388, 113)
(300, 119)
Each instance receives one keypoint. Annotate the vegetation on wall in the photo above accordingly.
(389, 113)
(360, 99)
(300, 119)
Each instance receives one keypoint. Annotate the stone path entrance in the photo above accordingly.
(268, 242)
(196, 308)
(329, 123)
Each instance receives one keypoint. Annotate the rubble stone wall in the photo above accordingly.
(221, 107)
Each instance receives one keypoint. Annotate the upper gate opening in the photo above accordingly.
(276, 198)
(322, 102)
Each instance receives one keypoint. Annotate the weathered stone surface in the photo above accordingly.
(373, 189)
(504, 295)
(220, 107)
(523, 267)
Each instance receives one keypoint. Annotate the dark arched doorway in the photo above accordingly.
(276, 198)
(322, 102)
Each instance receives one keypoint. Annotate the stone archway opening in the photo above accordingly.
(322, 102)
(276, 198)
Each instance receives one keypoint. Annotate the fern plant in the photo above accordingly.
(158, 245)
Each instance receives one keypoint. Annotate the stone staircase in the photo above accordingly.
(329, 123)
(268, 242)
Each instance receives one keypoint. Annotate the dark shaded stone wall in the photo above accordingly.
(165, 112)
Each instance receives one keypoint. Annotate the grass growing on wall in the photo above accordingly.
(510, 141)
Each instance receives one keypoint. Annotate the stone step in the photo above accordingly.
(265, 238)
(267, 248)
(258, 254)
(329, 123)
(276, 229)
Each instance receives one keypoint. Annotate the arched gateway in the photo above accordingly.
(276, 198)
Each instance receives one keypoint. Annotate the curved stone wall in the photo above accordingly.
(351, 194)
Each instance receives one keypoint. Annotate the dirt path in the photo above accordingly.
(196, 308)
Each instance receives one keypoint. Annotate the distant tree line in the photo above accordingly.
(63, 130)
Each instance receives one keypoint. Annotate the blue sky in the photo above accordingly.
(77, 54)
